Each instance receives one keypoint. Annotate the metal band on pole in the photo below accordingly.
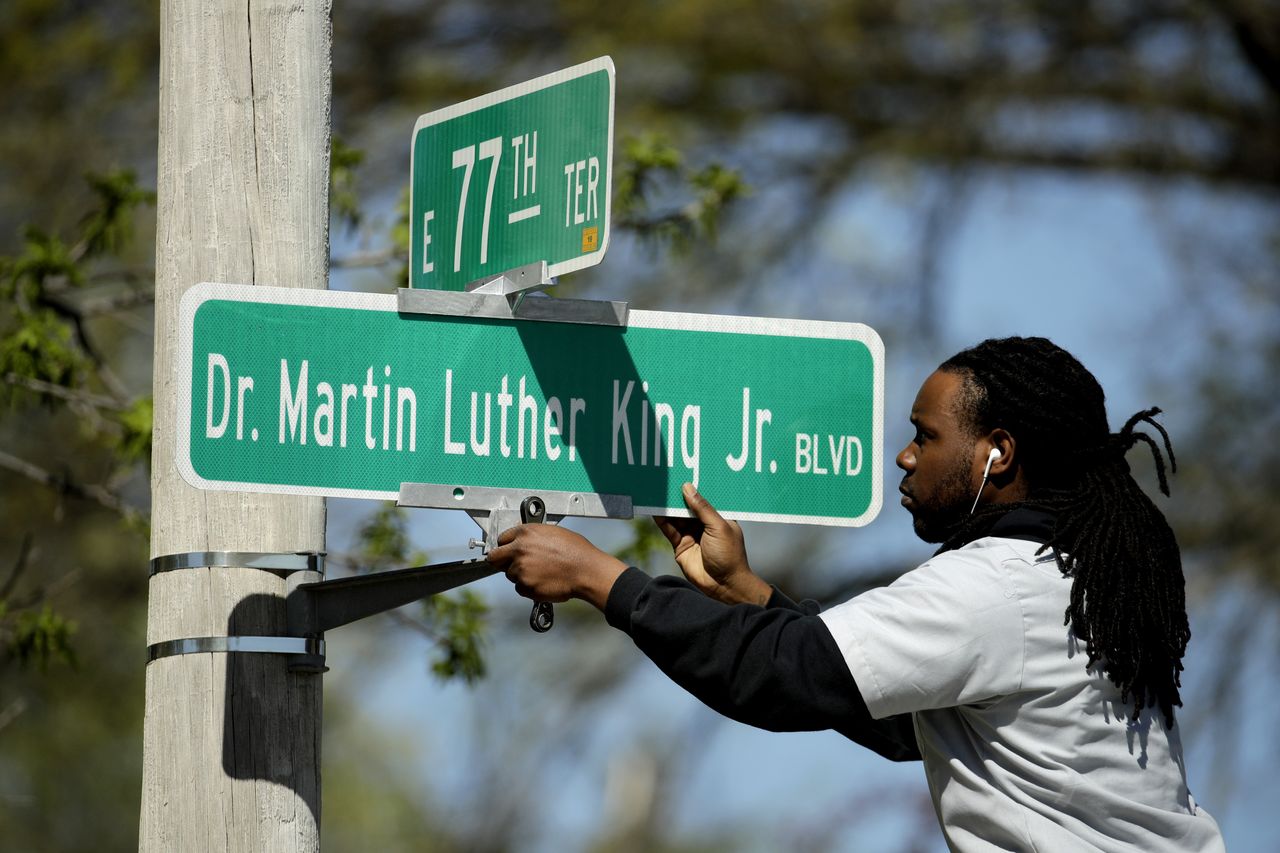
(280, 564)
(261, 645)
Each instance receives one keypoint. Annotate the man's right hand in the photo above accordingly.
(711, 552)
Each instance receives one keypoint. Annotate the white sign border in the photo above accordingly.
(723, 323)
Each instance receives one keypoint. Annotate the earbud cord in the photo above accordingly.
(986, 472)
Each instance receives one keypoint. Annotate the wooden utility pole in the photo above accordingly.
(231, 754)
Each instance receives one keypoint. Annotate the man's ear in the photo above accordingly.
(1001, 440)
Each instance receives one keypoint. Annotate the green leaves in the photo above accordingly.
(400, 235)
(644, 159)
(384, 541)
(35, 342)
(42, 335)
(650, 168)
(461, 620)
(343, 199)
(29, 635)
(134, 442)
(40, 637)
(717, 187)
(647, 540)
(47, 264)
(37, 345)
(108, 228)
(44, 258)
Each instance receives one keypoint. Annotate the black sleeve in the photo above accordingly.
(778, 598)
(775, 667)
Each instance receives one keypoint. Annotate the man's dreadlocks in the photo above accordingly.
(1127, 594)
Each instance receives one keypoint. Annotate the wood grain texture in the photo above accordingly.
(231, 754)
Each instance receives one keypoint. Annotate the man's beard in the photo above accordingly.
(936, 519)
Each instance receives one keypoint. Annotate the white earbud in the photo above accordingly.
(986, 472)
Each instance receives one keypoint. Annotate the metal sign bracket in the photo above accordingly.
(495, 510)
(502, 297)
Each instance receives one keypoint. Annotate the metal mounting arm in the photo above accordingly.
(313, 608)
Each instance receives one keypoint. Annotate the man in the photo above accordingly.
(1037, 732)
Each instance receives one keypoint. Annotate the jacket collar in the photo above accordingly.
(1024, 522)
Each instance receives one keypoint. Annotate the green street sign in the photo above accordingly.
(330, 393)
(512, 178)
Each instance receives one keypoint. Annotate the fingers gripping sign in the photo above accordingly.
(548, 564)
(712, 553)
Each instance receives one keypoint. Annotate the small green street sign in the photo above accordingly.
(512, 178)
(330, 393)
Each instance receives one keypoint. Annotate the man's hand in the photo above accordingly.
(549, 563)
(710, 551)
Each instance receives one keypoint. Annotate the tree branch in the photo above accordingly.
(14, 710)
(368, 260)
(76, 317)
(42, 593)
(83, 403)
(120, 302)
(64, 486)
(71, 395)
(24, 551)
(1251, 39)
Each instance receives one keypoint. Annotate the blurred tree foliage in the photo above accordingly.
(748, 120)
(80, 95)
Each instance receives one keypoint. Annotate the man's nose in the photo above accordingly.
(906, 460)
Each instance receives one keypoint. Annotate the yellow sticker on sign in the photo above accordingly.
(590, 238)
